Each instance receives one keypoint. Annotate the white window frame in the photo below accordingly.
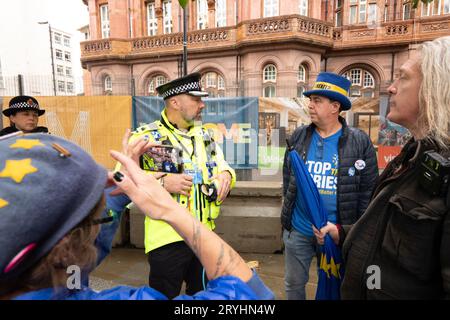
(152, 21)
(107, 83)
(66, 41)
(300, 89)
(221, 13)
(155, 82)
(406, 9)
(151, 86)
(270, 75)
(368, 81)
(362, 18)
(67, 56)
(446, 7)
(160, 80)
(338, 18)
(362, 81)
(70, 88)
(57, 37)
(59, 54)
(271, 8)
(220, 82)
(211, 80)
(104, 21)
(202, 14)
(355, 76)
(301, 75)
(61, 86)
(59, 70)
(69, 72)
(372, 13)
(303, 7)
(353, 15)
(167, 16)
(272, 91)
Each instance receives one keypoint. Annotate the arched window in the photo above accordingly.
(362, 83)
(270, 73)
(302, 80)
(107, 84)
(269, 80)
(155, 82)
(213, 83)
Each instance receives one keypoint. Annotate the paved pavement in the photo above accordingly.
(125, 266)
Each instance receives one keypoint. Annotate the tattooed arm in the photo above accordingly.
(217, 257)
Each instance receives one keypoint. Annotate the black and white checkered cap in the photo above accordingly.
(189, 84)
(22, 103)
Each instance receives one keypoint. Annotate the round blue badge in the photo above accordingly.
(351, 171)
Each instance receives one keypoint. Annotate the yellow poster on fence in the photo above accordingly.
(96, 123)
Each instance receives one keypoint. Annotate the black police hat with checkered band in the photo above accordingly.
(23, 103)
(189, 84)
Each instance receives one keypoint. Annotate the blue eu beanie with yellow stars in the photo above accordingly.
(47, 187)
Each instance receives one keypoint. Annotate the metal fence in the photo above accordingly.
(41, 85)
(246, 88)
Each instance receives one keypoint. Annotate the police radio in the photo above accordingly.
(434, 173)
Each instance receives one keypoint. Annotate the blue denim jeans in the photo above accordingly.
(298, 253)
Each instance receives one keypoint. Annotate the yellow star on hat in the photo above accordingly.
(3, 203)
(17, 169)
(26, 144)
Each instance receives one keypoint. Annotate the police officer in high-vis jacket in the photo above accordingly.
(198, 178)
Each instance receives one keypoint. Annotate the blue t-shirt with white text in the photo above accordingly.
(322, 162)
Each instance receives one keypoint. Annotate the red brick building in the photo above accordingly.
(255, 47)
(270, 48)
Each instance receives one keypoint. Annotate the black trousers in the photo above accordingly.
(172, 264)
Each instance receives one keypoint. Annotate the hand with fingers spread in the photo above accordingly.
(178, 183)
(134, 150)
(224, 181)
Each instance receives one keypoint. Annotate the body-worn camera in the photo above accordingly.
(434, 173)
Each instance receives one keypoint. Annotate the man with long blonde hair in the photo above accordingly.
(399, 249)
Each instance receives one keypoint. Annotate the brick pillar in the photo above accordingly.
(159, 17)
(211, 13)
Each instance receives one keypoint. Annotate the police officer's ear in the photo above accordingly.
(173, 103)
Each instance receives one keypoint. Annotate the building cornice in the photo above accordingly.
(292, 31)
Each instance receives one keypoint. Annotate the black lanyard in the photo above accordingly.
(178, 140)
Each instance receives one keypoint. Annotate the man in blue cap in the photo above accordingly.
(23, 113)
(342, 162)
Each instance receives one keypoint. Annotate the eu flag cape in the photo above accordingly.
(331, 270)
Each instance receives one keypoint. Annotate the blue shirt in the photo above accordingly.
(322, 162)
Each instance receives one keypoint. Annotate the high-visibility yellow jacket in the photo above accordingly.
(200, 154)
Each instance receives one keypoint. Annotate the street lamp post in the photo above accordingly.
(184, 42)
(51, 54)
